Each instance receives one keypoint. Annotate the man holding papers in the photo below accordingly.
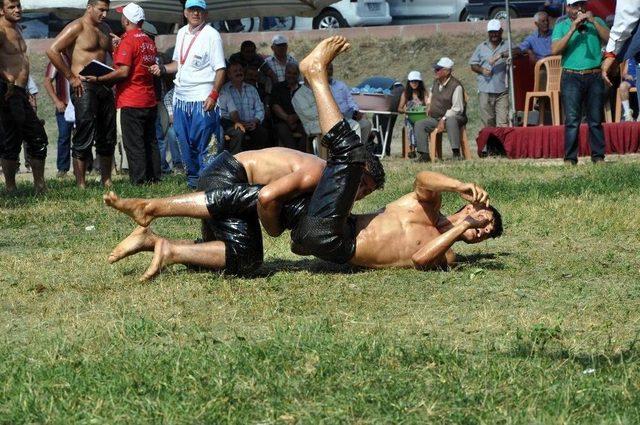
(199, 65)
(87, 39)
(135, 96)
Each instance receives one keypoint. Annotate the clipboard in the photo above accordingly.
(96, 69)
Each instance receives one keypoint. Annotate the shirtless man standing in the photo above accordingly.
(409, 232)
(231, 234)
(18, 117)
(85, 39)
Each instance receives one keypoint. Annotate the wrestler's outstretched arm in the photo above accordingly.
(438, 253)
(275, 193)
(428, 186)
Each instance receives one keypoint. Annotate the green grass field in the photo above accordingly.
(539, 326)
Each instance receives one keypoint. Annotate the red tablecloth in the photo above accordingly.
(548, 141)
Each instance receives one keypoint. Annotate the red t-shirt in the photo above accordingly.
(137, 51)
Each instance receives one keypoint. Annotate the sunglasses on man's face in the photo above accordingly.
(437, 68)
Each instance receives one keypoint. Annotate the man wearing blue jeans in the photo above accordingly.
(579, 40)
(58, 89)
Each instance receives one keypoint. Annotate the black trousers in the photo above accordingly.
(240, 142)
(20, 123)
(95, 122)
(140, 144)
(327, 230)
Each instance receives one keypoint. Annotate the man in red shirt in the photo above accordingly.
(135, 96)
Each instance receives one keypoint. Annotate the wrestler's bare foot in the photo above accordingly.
(314, 65)
(161, 259)
(133, 207)
(141, 239)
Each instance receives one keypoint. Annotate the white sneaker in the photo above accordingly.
(628, 116)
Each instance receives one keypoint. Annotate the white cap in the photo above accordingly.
(445, 62)
(414, 76)
(279, 39)
(494, 25)
(132, 12)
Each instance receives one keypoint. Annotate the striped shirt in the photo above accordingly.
(61, 84)
(246, 101)
(277, 67)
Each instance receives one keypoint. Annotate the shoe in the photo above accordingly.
(61, 174)
(423, 157)
(411, 154)
(597, 160)
(456, 155)
(628, 116)
(570, 162)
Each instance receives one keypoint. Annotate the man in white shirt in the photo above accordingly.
(623, 43)
(348, 106)
(280, 59)
(446, 110)
(199, 65)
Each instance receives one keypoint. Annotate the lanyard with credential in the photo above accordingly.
(183, 58)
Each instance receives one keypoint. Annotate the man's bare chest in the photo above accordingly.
(12, 43)
(92, 39)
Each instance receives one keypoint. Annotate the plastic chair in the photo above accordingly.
(623, 70)
(435, 140)
(551, 91)
(435, 143)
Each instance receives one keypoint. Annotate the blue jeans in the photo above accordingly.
(63, 161)
(577, 89)
(164, 141)
(194, 128)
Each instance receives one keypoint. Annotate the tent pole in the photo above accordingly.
(512, 93)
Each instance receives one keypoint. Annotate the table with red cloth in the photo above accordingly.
(548, 141)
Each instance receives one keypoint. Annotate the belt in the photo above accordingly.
(583, 72)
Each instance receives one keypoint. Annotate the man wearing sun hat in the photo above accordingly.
(280, 59)
(491, 69)
(135, 96)
(199, 65)
(579, 40)
(447, 109)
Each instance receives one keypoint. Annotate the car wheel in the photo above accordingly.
(329, 19)
(500, 13)
(464, 16)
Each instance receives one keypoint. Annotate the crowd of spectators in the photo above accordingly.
(174, 107)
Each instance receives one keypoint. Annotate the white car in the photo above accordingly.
(353, 13)
(424, 11)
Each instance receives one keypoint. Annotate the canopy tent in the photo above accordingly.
(170, 11)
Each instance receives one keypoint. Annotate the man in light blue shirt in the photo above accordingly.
(490, 66)
(538, 43)
(348, 106)
(242, 114)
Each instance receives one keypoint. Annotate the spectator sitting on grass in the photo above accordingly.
(413, 97)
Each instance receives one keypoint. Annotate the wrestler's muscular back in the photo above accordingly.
(390, 237)
(92, 42)
(14, 62)
(267, 165)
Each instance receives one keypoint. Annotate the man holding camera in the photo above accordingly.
(579, 40)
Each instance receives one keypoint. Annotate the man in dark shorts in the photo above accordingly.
(86, 39)
(231, 234)
(19, 120)
(409, 232)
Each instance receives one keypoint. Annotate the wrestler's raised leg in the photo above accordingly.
(314, 68)
(143, 211)
(210, 255)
